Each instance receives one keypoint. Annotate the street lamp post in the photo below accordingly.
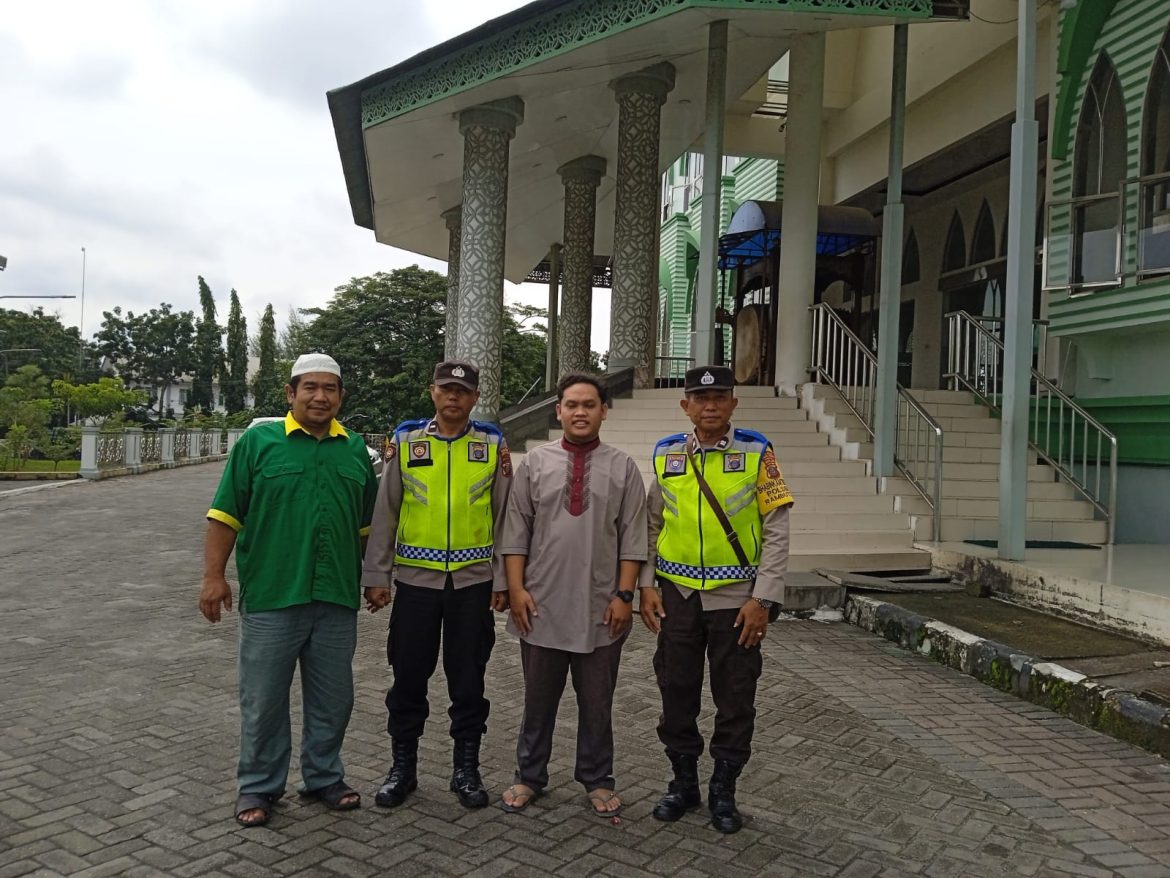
(81, 322)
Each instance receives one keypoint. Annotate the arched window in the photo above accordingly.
(1155, 194)
(1156, 119)
(983, 241)
(955, 251)
(911, 272)
(1101, 143)
(1099, 167)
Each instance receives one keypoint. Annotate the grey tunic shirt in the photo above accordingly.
(770, 577)
(378, 566)
(573, 548)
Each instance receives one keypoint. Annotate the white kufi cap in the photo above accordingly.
(307, 363)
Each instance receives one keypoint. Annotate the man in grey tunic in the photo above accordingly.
(574, 539)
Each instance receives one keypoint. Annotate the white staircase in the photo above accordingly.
(970, 484)
(839, 520)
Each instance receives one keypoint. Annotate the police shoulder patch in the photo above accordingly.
(505, 460)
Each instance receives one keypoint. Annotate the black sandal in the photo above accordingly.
(254, 802)
(333, 794)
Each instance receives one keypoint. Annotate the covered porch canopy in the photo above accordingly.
(401, 147)
(755, 228)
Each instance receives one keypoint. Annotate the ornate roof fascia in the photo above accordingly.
(505, 46)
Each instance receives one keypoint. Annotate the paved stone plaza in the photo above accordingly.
(119, 724)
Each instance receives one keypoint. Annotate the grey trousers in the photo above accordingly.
(594, 679)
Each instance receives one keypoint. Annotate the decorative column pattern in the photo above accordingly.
(640, 97)
(454, 220)
(581, 177)
(554, 303)
(487, 130)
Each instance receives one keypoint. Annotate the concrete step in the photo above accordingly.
(850, 525)
(830, 486)
(846, 503)
(1039, 510)
(658, 400)
(961, 454)
(971, 440)
(969, 423)
(1092, 532)
(951, 397)
(990, 471)
(851, 559)
(664, 426)
(938, 410)
(856, 541)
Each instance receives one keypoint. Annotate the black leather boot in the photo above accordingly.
(465, 780)
(721, 796)
(682, 794)
(403, 777)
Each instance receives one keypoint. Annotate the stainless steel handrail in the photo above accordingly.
(845, 363)
(976, 363)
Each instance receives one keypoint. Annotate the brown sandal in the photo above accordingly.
(516, 790)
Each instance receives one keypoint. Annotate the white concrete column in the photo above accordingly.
(703, 340)
(634, 302)
(890, 304)
(89, 451)
(798, 235)
(554, 297)
(1017, 330)
(487, 131)
(454, 220)
(581, 178)
(166, 446)
(132, 447)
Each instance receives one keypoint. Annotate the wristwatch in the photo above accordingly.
(626, 596)
(765, 603)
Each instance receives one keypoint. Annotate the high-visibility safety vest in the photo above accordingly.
(445, 522)
(693, 549)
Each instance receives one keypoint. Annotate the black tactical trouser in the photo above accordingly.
(689, 636)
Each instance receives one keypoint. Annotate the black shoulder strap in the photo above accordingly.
(717, 508)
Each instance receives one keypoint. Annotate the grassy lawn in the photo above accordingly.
(40, 466)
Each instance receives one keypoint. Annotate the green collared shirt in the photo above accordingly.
(300, 507)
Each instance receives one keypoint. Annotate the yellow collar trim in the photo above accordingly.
(291, 424)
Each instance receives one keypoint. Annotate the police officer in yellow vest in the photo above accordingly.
(440, 505)
(718, 522)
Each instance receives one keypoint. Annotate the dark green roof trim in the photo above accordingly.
(550, 32)
(1079, 30)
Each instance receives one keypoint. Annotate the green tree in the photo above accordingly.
(235, 382)
(268, 387)
(524, 344)
(100, 400)
(386, 333)
(294, 338)
(25, 411)
(57, 346)
(153, 349)
(209, 361)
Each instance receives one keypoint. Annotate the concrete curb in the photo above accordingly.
(43, 486)
(1114, 712)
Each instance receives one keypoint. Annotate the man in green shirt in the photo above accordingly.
(295, 502)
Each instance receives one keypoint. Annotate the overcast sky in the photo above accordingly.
(177, 139)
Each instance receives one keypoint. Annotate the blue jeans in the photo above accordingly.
(322, 638)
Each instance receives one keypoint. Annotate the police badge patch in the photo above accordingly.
(477, 452)
(734, 462)
(505, 461)
(676, 464)
(420, 453)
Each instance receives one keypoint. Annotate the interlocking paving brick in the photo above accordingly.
(118, 744)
